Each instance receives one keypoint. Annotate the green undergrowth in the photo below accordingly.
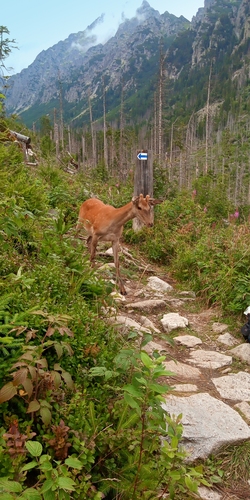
(201, 250)
(80, 406)
(230, 467)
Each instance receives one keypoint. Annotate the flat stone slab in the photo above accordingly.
(150, 347)
(187, 340)
(208, 424)
(208, 493)
(244, 408)
(174, 303)
(209, 359)
(181, 370)
(219, 327)
(234, 386)
(147, 305)
(185, 388)
(227, 339)
(242, 352)
(148, 324)
(128, 323)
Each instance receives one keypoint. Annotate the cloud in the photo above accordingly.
(99, 32)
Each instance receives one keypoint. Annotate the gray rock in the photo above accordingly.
(128, 323)
(227, 339)
(209, 359)
(242, 352)
(147, 305)
(150, 347)
(157, 284)
(148, 324)
(208, 494)
(208, 424)
(234, 386)
(244, 408)
(182, 370)
(171, 321)
(109, 252)
(117, 297)
(219, 327)
(187, 340)
(175, 303)
(185, 388)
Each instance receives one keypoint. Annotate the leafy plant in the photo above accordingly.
(142, 455)
(32, 373)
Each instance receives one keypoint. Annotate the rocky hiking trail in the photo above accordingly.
(210, 361)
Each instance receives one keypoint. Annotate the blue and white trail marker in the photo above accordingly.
(142, 156)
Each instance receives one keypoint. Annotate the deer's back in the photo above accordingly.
(94, 212)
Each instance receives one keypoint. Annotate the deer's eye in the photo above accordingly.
(139, 208)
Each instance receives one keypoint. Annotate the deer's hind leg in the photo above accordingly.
(92, 244)
(89, 242)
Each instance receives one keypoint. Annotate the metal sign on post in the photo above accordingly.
(142, 156)
(143, 179)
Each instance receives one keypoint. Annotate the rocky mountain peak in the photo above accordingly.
(80, 62)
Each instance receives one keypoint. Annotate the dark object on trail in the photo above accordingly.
(245, 330)
(25, 143)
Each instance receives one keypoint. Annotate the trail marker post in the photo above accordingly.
(143, 180)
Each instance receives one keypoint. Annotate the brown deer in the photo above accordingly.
(105, 223)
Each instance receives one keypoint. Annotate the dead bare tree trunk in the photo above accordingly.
(248, 194)
(92, 134)
(155, 124)
(180, 171)
(189, 148)
(69, 140)
(61, 110)
(161, 75)
(112, 150)
(83, 151)
(171, 154)
(170, 172)
(105, 145)
(121, 129)
(207, 118)
(56, 135)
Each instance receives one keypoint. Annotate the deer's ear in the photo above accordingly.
(153, 201)
(135, 200)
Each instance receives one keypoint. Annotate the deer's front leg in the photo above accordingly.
(115, 247)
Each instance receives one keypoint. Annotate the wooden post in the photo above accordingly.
(143, 180)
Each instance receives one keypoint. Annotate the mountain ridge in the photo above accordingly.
(34, 86)
(128, 63)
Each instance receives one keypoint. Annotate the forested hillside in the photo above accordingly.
(182, 91)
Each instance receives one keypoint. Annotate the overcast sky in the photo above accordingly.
(40, 25)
